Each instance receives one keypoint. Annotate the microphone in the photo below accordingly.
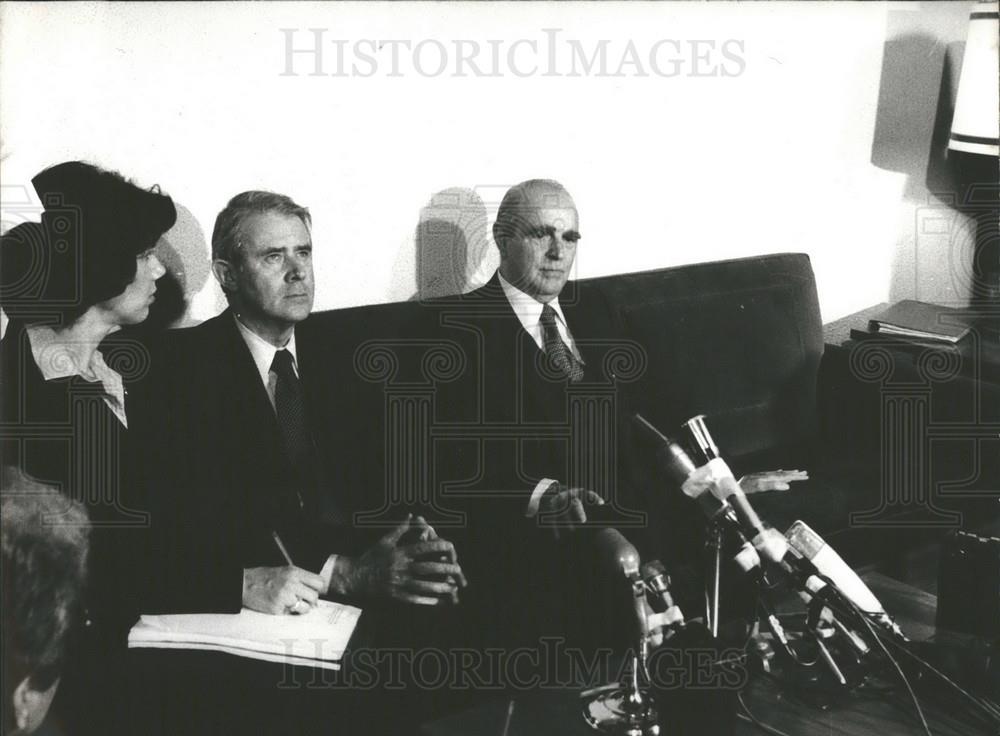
(831, 566)
(770, 545)
(665, 611)
(679, 468)
(617, 550)
(727, 490)
(696, 484)
(724, 486)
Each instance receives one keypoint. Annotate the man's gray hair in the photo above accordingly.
(228, 233)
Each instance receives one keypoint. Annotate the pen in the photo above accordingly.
(281, 548)
(510, 714)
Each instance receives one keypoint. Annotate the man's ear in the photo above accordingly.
(31, 705)
(500, 240)
(225, 274)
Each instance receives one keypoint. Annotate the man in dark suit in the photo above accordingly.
(528, 446)
(250, 510)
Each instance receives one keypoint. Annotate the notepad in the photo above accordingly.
(920, 321)
(314, 639)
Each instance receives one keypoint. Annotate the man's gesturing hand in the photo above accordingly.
(771, 480)
(278, 590)
(411, 573)
(562, 509)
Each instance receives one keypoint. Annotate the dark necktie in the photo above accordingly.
(290, 407)
(557, 351)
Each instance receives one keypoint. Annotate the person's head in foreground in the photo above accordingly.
(44, 539)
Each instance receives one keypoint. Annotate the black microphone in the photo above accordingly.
(678, 466)
(618, 551)
(654, 574)
(666, 613)
(725, 488)
(614, 549)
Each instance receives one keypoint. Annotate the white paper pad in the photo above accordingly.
(314, 639)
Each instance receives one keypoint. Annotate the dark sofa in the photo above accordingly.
(740, 341)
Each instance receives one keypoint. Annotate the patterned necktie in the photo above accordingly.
(290, 407)
(556, 350)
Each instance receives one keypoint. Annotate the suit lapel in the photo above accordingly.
(246, 407)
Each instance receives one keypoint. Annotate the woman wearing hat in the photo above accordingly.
(68, 283)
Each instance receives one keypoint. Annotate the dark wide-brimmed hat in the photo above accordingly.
(83, 252)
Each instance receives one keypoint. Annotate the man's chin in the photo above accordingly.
(296, 310)
(548, 290)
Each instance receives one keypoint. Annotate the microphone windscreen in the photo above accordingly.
(617, 551)
(724, 485)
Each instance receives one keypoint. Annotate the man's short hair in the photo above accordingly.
(44, 541)
(521, 199)
(228, 233)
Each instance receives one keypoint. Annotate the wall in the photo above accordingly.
(754, 128)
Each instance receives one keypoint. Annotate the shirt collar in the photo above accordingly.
(55, 360)
(262, 351)
(526, 307)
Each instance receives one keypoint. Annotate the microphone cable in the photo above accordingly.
(754, 720)
(990, 709)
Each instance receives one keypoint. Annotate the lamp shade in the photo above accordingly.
(975, 127)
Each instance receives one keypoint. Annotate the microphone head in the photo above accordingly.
(676, 463)
(670, 456)
(804, 540)
(697, 432)
(617, 550)
(656, 576)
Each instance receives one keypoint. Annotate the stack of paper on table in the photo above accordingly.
(920, 321)
(314, 639)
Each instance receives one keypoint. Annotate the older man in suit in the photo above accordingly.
(252, 450)
(529, 447)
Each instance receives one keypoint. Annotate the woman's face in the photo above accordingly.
(132, 306)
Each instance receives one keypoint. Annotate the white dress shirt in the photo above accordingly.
(262, 353)
(529, 312)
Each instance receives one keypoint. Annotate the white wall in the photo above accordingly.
(780, 156)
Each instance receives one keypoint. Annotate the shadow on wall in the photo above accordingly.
(454, 253)
(915, 103)
(185, 254)
(916, 96)
(936, 257)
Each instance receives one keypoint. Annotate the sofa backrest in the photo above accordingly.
(739, 341)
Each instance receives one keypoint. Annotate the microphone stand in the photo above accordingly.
(714, 543)
(627, 708)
